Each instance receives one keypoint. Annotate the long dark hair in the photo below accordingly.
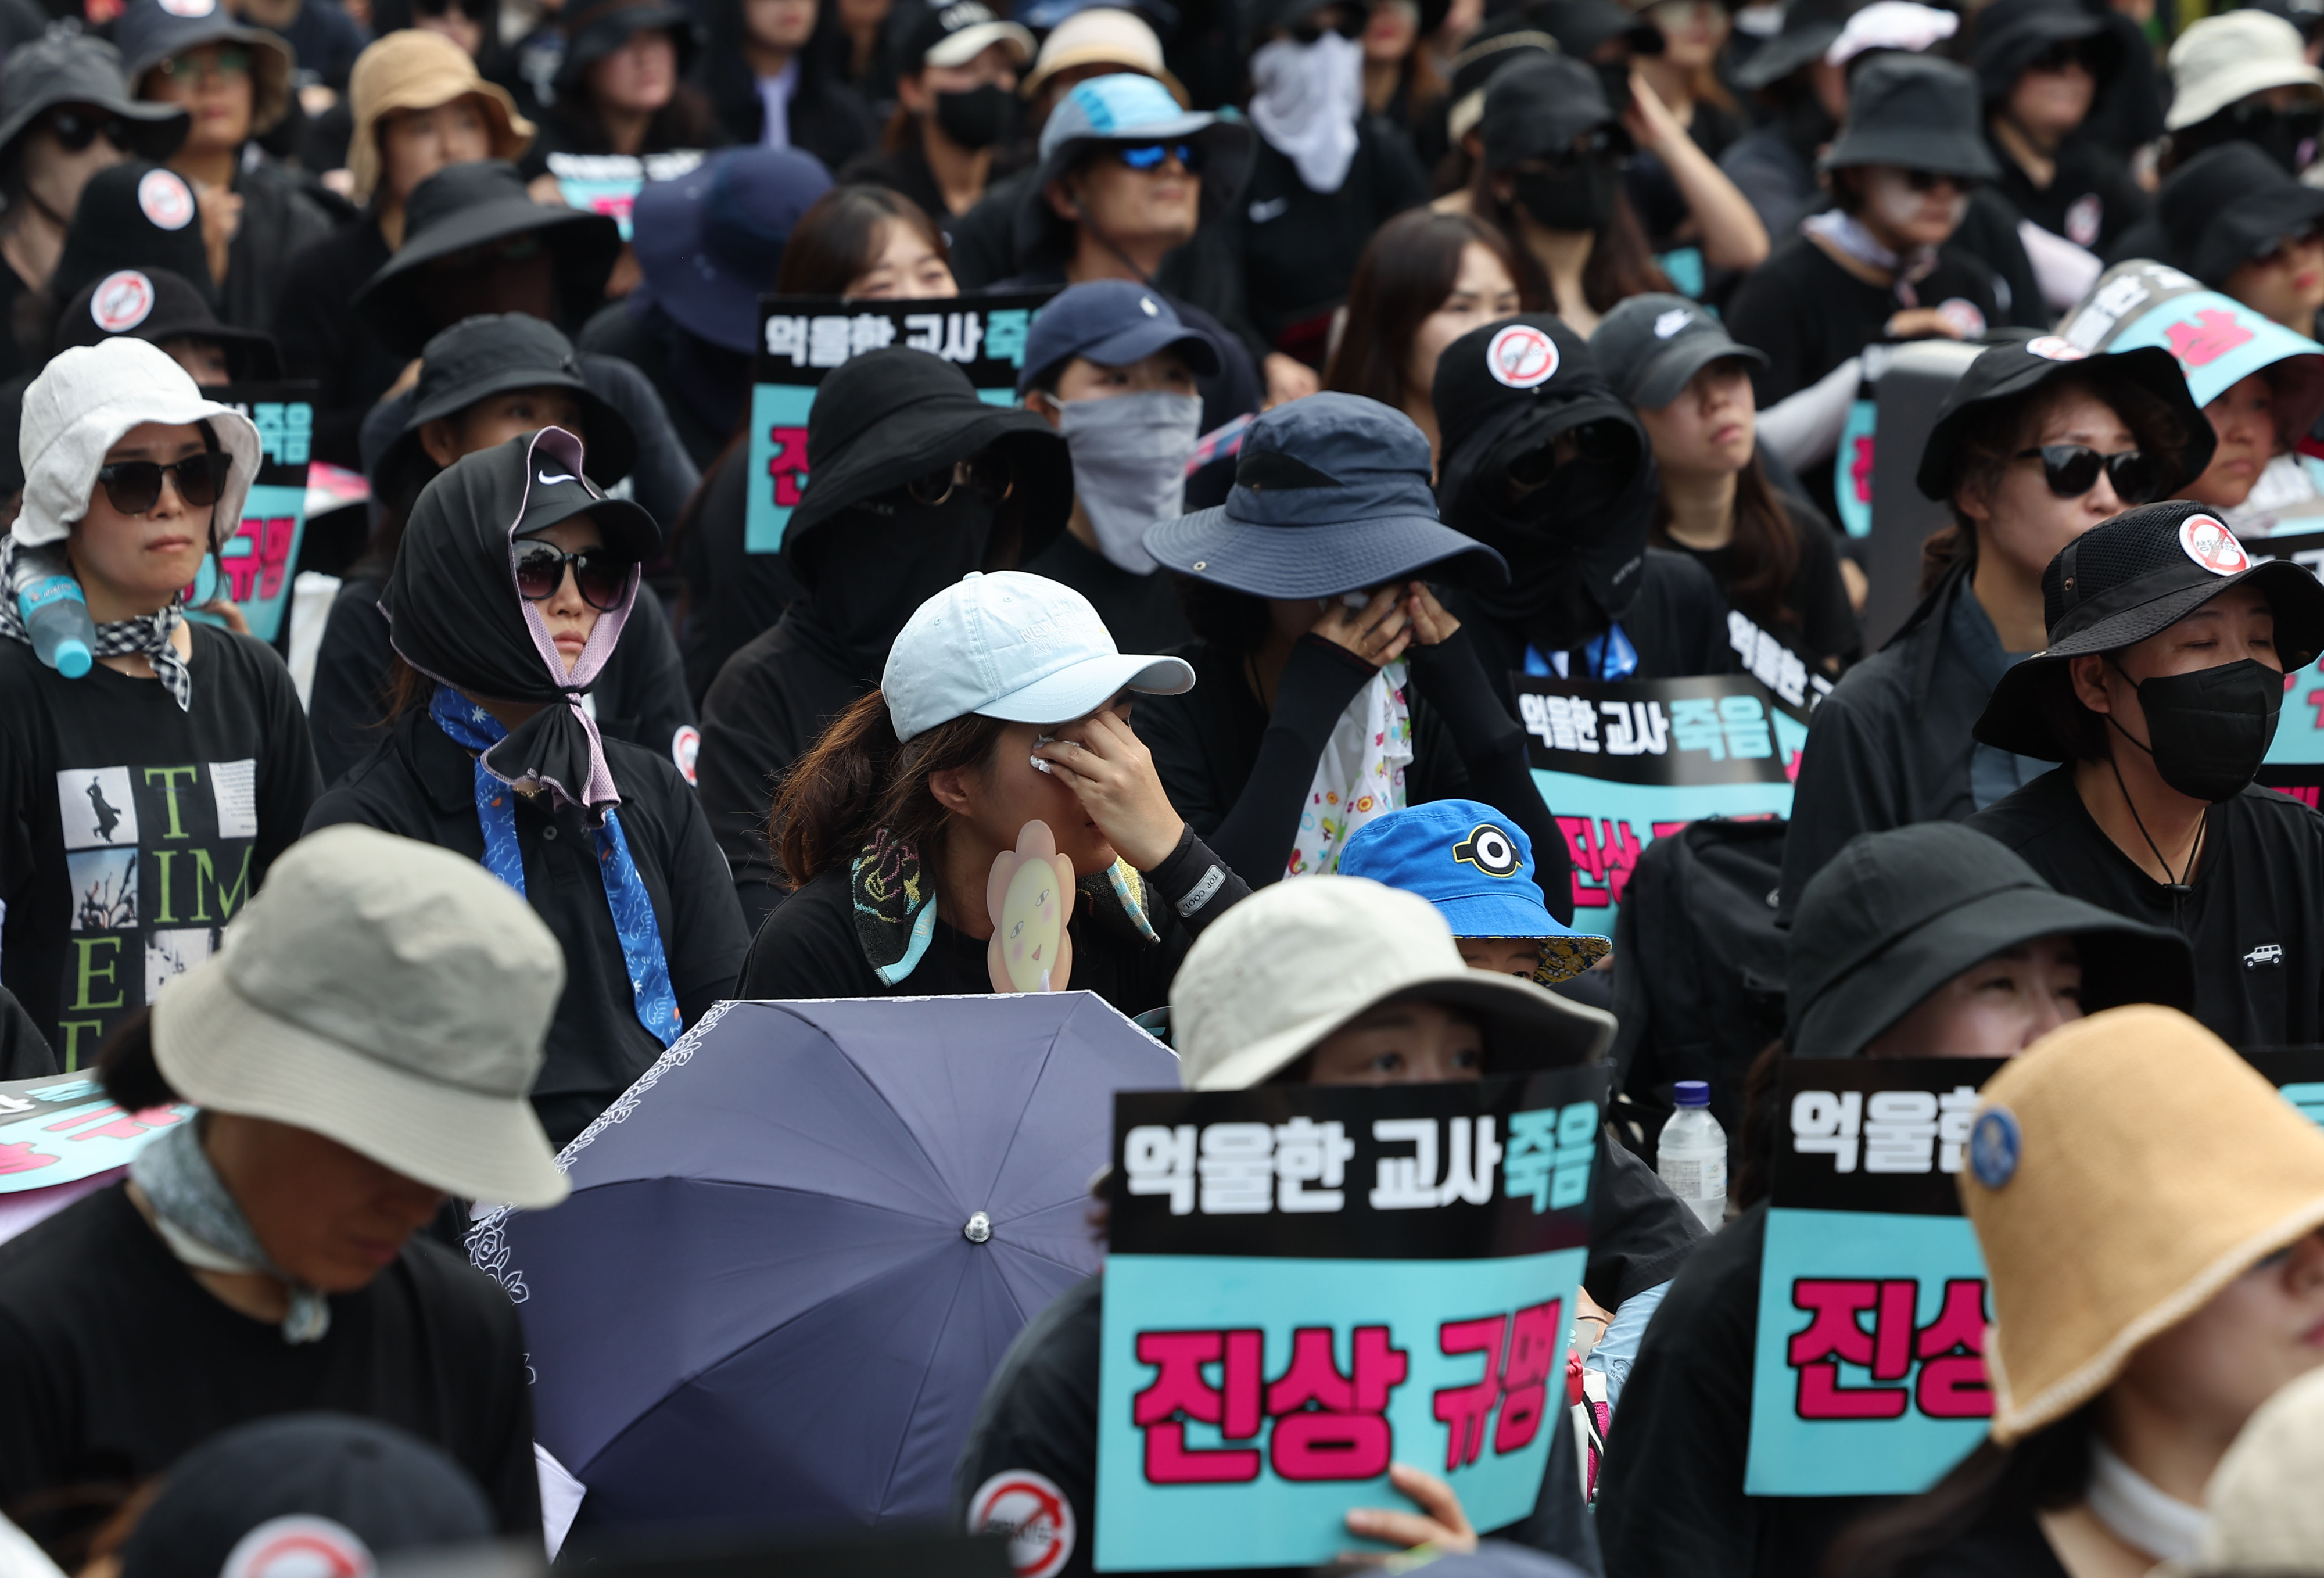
(1408, 269)
(858, 779)
(687, 121)
(1234, 623)
(724, 71)
(1765, 551)
(840, 237)
(2045, 1472)
(1621, 264)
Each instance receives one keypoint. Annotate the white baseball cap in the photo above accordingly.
(1012, 646)
(2224, 58)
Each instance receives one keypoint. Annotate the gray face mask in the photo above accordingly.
(1129, 455)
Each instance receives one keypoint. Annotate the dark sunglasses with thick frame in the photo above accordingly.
(76, 129)
(2072, 470)
(601, 574)
(989, 479)
(134, 486)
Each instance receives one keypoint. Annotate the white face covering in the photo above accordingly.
(1129, 455)
(1305, 100)
(1891, 196)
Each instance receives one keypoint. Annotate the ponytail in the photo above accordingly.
(127, 1067)
(858, 778)
(1942, 549)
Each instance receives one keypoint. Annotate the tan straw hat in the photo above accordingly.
(1299, 959)
(412, 69)
(2121, 1172)
(1103, 35)
(387, 995)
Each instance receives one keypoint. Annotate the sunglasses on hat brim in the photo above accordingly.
(2071, 470)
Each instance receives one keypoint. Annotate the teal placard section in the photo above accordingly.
(2219, 342)
(2299, 727)
(62, 1130)
(613, 198)
(779, 457)
(1271, 1521)
(255, 565)
(1851, 467)
(1793, 1455)
(1608, 826)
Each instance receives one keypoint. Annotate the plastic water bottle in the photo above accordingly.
(55, 614)
(1692, 1156)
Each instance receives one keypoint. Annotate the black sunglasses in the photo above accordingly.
(988, 477)
(1144, 156)
(2072, 470)
(134, 486)
(602, 575)
(1595, 442)
(75, 130)
(1306, 29)
(2059, 56)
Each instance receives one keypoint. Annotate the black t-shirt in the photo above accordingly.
(134, 832)
(1825, 623)
(1141, 612)
(1300, 246)
(113, 1361)
(2255, 917)
(1670, 1498)
(733, 594)
(2091, 197)
(808, 949)
(420, 784)
(1809, 315)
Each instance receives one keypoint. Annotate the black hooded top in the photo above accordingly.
(1577, 548)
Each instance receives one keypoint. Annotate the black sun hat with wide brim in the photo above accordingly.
(2018, 365)
(2129, 578)
(893, 415)
(1331, 496)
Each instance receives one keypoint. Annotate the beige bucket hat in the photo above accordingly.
(412, 69)
(387, 995)
(2229, 57)
(1295, 962)
(2267, 1517)
(2121, 1172)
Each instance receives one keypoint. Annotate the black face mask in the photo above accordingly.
(2210, 729)
(978, 117)
(1578, 200)
(2287, 136)
(1566, 544)
(885, 558)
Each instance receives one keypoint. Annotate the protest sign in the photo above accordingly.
(61, 1127)
(1306, 1283)
(608, 183)
(2295, 758)
(801, 338)
(1622, 763)
(252, 570)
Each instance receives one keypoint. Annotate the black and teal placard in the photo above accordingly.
(801, 338)
(254, 567)
(1305, 1284)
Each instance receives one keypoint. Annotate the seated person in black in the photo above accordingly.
(482, 381)
(1248, 982)
(2031, 450)
(1111, 366)
(1335, 687)
(1544, 463)
(2159, 690)
(2041, 65)
(1919, 942)
(913, 481)
(1003, 702)
(508, 596)
(265, 1256)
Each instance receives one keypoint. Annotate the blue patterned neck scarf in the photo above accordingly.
(477, 730)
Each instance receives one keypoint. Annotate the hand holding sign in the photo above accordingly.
(1029, 897)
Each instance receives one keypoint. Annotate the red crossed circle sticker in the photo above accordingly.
(300, 1546)
(120, 301)
(2210, 543)
(166, 199)
(2055, 349)
(1522, 356)
(1035, 1514)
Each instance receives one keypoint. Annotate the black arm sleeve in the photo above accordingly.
(1256, 835)
(1196, 884)
(1492, 747)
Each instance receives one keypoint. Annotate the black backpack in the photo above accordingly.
(1697, 970)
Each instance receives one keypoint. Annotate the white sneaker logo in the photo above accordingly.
(561, 477)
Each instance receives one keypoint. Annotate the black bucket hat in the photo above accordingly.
(1496, 44)
(77, 68)
(2016, 367)
(133, 216)
(155, 305)
(1810, 28)
(1582, 26)
(2229, 204)
(1896, 914)
(1536, 107)
(464, 206)
(1915, 112)
(594, 31)
(149, 32)
(2012, 34)
(488, 354)
(2123, 581)
(1649, 345)
(1331, 496)
(891, 415)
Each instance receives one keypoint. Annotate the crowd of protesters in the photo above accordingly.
(1392, 356)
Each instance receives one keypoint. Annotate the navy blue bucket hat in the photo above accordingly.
(1331, 496)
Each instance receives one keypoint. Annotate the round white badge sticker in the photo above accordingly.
(190, 8)
(299, 1546)
(1522, 356)
(166, 199)
(1035, 1514)
(120, 301)
(2051, 347)
(2210, 543)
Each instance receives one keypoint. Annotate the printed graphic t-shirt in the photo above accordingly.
(134, 832)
